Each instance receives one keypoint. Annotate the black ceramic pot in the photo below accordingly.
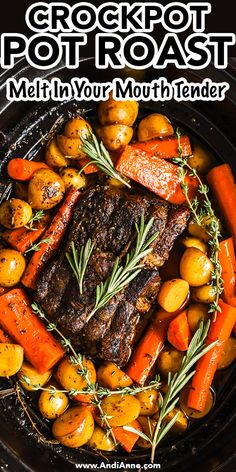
(209, 445)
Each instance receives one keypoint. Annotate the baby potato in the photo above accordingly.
(194, 242)
(100, 440)
(113, 111)
(15, 213)
(228, 354)
(52, 404)
(201, 160)
(70, 147)
(77, 127)
(21, 190)
(196, 313)
(204, 294)
(29, 377)
(148, 401)
(122, 409)
(195, 267)
(11, 359)
(172, 294)
(115, 136)
(169, 360)
(201, 232)
(69, 376)
(148, 426)
(12, 266)
(74, 427)
(53, 156)
(46, 189)
(112, 377)
(72, 178)
(154, 126)
(181, 423)
(190, 412)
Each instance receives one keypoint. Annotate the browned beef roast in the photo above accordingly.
(108, 215)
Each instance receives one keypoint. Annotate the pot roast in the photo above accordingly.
(108, 215)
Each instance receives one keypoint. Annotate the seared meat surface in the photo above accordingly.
(108, 215)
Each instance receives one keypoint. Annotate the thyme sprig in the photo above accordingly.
(212, 226)
(38, 216)
(79, 261)
(122, 275)
(36, 247)
(196, 350)
(99, 156)
(76, 359)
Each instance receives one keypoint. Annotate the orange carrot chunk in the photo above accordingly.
(89, 169)
(54, 234)
(22, 169)
(127, 439)
(220, 329)
(227, 261)
(179, 333)
(158, 175)
(147, 351)
(4, 337)
(222, 183)
(20, 322)
(166, 148)
(22, 238)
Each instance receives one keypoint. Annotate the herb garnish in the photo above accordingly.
(35, 219)
(99, 156)
(206, 210)
(195, 351)
(123, 275)
(36, 247)
(79, 261)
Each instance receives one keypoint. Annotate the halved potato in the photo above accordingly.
(54, 157)
(30, 378)
(11, 359)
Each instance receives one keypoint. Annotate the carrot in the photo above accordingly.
(20, 322)
(220, 329)
(158, 175)
(166, 148)
(22, 238)
(4, 338)
(126, 438)
(147, 350)
(22, 169)
(227, 261)
(90, 169)
(179, 333)
(222, 183)
(54, 234)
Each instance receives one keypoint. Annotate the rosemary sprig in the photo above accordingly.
(199, 215)
(79, 261)
(36, 247)
(123, 275)
(35, 219)
(99, 156)
(196, 350)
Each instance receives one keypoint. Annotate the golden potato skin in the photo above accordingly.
(169, 360)
(195, 242)
(228, 354)
(113, 111)
(196, 313)
(72, 178)
(52, 405)
(190, 412)
(75, 427)
(201, 232)
(12, 266)
(21, 190)
(203, 294)
(112, 377)
(201, 160)
(77, 127)
(70, 147)
(53, 156)
(181, 423)
(15, 213)
(11, 359)
(69, 377)
(123, 408)
(148, 402)
(114, 137)
(46, 189)
(154, 126)
(148, 427)
(173, 294)
(33, 376)
(100, 440)
(195, 267)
